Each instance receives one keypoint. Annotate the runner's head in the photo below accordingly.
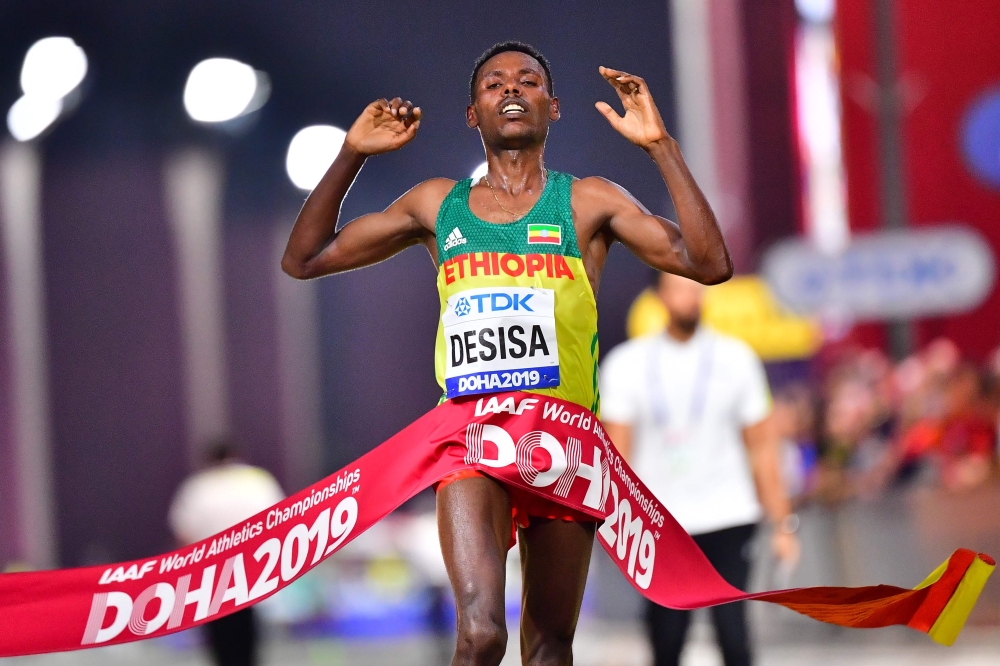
(682, 298)
(510, 97)
(221, 451)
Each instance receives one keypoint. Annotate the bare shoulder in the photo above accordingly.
(596, 186)
(432, 190)
(597, 193)
(423, 200)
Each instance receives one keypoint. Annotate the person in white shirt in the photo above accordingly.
(208, 502)
(689, 410)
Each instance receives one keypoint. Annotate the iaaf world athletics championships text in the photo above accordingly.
(234, 536)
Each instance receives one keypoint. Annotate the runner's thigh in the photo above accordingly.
(555, 556)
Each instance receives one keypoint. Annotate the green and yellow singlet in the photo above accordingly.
(517, 310)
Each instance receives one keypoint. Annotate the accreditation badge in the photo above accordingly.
(500, 339)
(674, 438)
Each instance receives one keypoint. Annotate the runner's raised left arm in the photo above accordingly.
(692, 247)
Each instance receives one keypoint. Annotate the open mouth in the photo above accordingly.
(512, 109)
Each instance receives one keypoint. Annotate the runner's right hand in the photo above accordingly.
(383, 126)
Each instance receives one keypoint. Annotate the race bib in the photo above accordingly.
(500, 339)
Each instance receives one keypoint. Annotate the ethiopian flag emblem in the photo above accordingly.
(545, 233)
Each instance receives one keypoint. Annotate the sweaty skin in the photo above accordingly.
(474, 515)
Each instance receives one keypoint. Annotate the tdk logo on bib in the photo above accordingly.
(496, 301)
(500, 339)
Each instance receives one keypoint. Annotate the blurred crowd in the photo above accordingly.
(869, 424)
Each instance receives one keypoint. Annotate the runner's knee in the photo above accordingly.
(481, 640)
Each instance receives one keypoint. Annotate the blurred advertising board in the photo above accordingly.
(883, 276)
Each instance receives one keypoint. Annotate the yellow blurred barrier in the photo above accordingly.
(743, 307)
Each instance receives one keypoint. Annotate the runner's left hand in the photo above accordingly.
(641, 124)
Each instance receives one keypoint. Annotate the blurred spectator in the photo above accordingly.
(960, 442)
(932, 418)
(856, 422)
(920, 382)
(991, 401)
(208, 502)
(793, 418)
(689, 409)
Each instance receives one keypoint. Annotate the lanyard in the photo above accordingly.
(699, 390)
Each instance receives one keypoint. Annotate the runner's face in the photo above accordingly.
(512, 107)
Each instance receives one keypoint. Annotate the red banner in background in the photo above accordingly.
(544, 445)
(948, 65)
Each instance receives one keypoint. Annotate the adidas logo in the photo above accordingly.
(454, 239)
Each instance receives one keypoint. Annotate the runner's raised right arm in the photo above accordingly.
(316, 248)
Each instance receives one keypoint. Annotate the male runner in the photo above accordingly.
(519, 256)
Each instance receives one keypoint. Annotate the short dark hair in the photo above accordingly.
(506, 47)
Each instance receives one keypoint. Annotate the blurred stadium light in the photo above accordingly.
(221, 89)
(311, 152)
(816, 11)
(30, 116)
(53, 68)
(480, 171)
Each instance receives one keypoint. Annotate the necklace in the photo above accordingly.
(516, 216)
